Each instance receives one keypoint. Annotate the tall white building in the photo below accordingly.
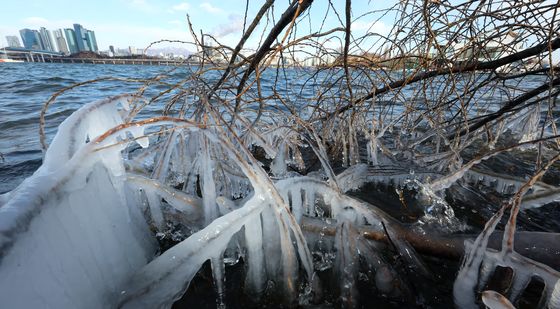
(13, 41)
(46, 38)
(60, 41)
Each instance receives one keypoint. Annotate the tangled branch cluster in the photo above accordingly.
(446, 86)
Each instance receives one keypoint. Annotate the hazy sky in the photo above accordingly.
(124, 23)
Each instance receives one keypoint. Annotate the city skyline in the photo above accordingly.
(69, 41)
(140, 22)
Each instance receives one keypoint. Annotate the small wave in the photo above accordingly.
(20, 81)
(10, 86)
(60, 79)
(34, 119)
(38, 88)
(18, 153)
(11, 175)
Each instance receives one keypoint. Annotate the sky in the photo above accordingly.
(137, 23)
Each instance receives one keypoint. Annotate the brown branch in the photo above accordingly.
(469, 67)
(244, 38)
(284, 21)
(511, 105)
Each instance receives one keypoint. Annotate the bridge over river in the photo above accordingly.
(146, 61)
(30, 55)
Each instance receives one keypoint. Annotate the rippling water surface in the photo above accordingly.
(25, 87)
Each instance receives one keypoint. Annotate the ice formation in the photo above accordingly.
(62, 243)
(480, 262)
(81, 232)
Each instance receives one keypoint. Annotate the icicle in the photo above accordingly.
(297, 204)
(218, 274)
(521, 281)
(271, 246)
(208, 187)
(528, 128)
(355, 149)
(374, 143)
(278, 165)
(369, 152)
(255, 280)
(344, 152)
(372, 149)
(347, 263)
(385, 280)
(301, 244)
(162, 165)
(154, 202)
(309, 202)
(447, 181)
(289, 261)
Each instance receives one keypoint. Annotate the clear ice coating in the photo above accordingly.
(68, 236)
(81, 232)
(480, 262)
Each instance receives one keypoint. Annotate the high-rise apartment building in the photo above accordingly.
(46, 39)
(77, 39)
(85, 39)
(52, 41)
(91, 41)
(81, 37)
(60, 41)
(71, 40)
(13, 41)
(31, 39)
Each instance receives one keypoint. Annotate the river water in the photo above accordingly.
(25, 87)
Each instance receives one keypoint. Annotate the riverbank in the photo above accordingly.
(126, 61)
